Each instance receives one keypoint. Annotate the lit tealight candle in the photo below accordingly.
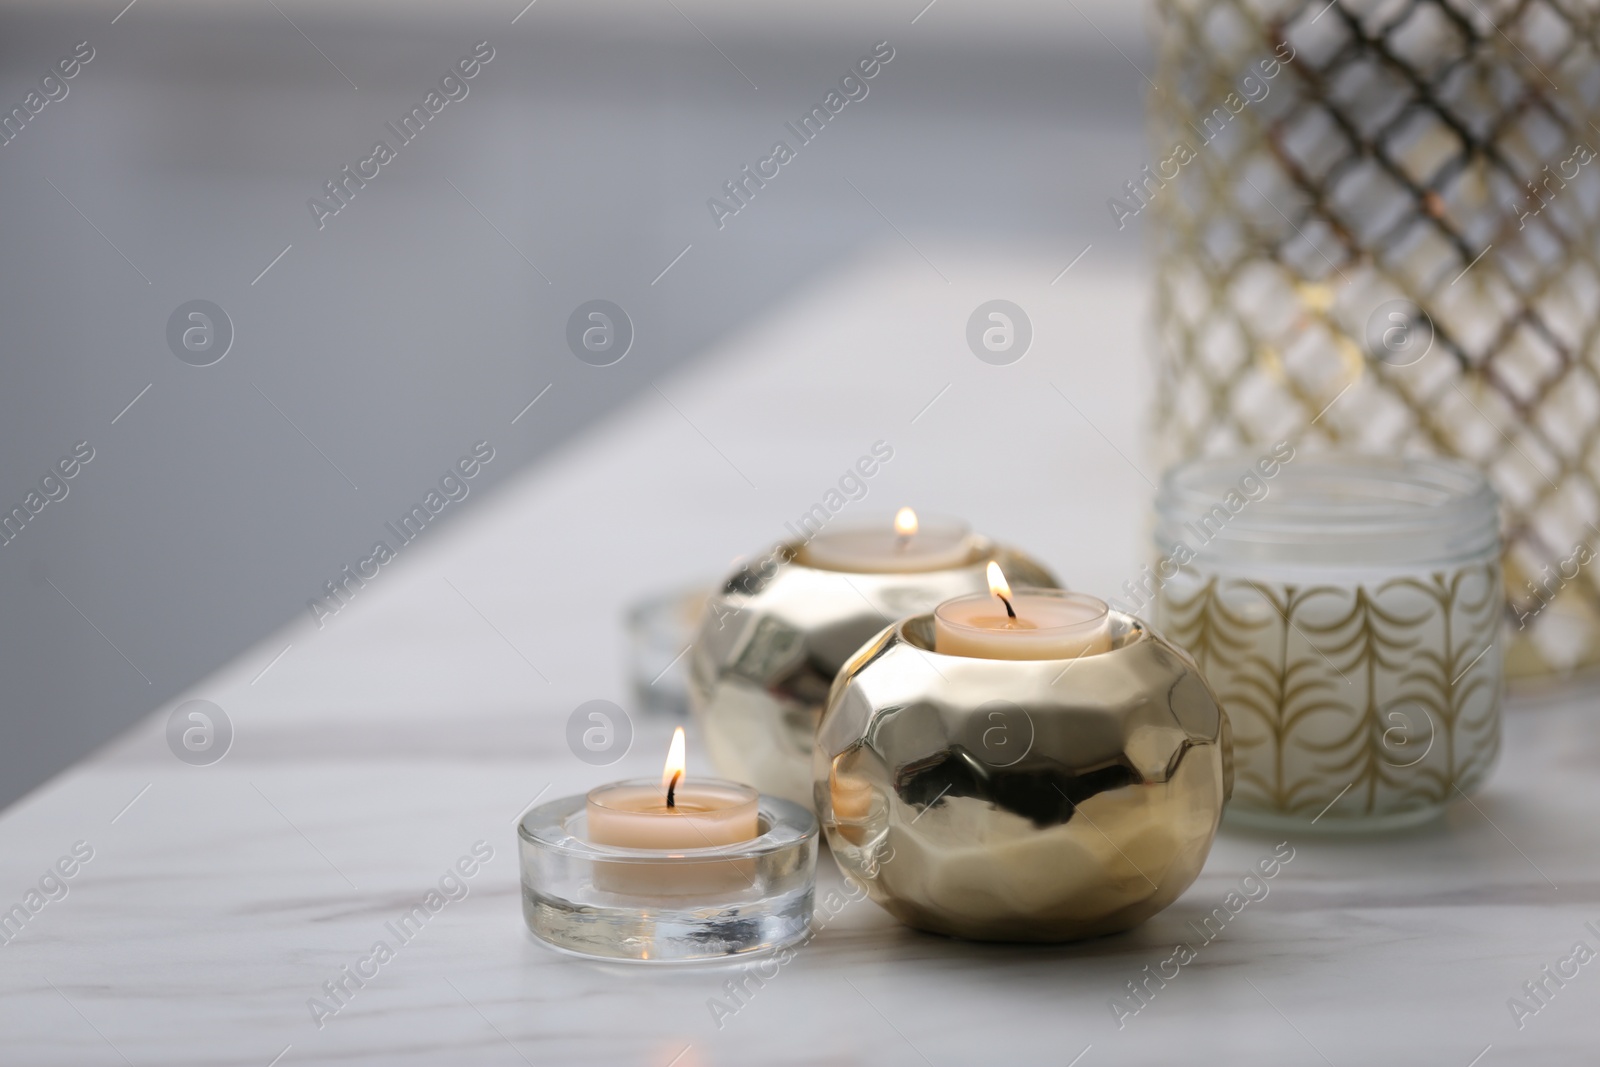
(679, 815)
(1031, 624)
(906, 546)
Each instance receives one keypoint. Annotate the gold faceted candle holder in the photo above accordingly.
(1035, 800)
(774, 637)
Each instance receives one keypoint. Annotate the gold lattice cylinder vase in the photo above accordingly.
(1376, 227)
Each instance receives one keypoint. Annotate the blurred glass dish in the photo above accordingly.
(660, 629)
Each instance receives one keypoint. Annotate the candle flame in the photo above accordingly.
(997, 582)
(905, 522)
(675, 760)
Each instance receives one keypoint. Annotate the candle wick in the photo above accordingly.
(1011, 612)
(672, 788)
(902, 542)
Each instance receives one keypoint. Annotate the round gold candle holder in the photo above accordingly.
(1022, 800)
(776, 633)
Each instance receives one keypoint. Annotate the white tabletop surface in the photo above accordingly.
(375, 752)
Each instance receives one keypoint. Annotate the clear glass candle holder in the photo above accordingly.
(667, 905)
(1348, 613)
(659, 629)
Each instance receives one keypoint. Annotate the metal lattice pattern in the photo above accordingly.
(1435, 151)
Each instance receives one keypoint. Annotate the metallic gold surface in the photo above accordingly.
(1037, 800)
(771, 644)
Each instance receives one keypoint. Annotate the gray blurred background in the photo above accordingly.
(434, 307)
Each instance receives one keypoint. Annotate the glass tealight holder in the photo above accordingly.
(1348, 613)
(667, 905)
(659, 630)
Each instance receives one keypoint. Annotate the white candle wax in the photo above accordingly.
(903, 546)
(704, 814)
(675, 815)
(1049, 624)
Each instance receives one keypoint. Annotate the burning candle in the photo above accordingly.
(680, 814)
(668, 869)
(906, 546)
(1031, 624)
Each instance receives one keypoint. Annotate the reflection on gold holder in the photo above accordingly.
(770, 647)
(1040, 800)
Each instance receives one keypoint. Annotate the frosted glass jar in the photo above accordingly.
(1348, 613)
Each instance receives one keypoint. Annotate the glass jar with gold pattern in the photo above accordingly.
(1347, 611)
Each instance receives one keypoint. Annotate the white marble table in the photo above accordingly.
(373, 754)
